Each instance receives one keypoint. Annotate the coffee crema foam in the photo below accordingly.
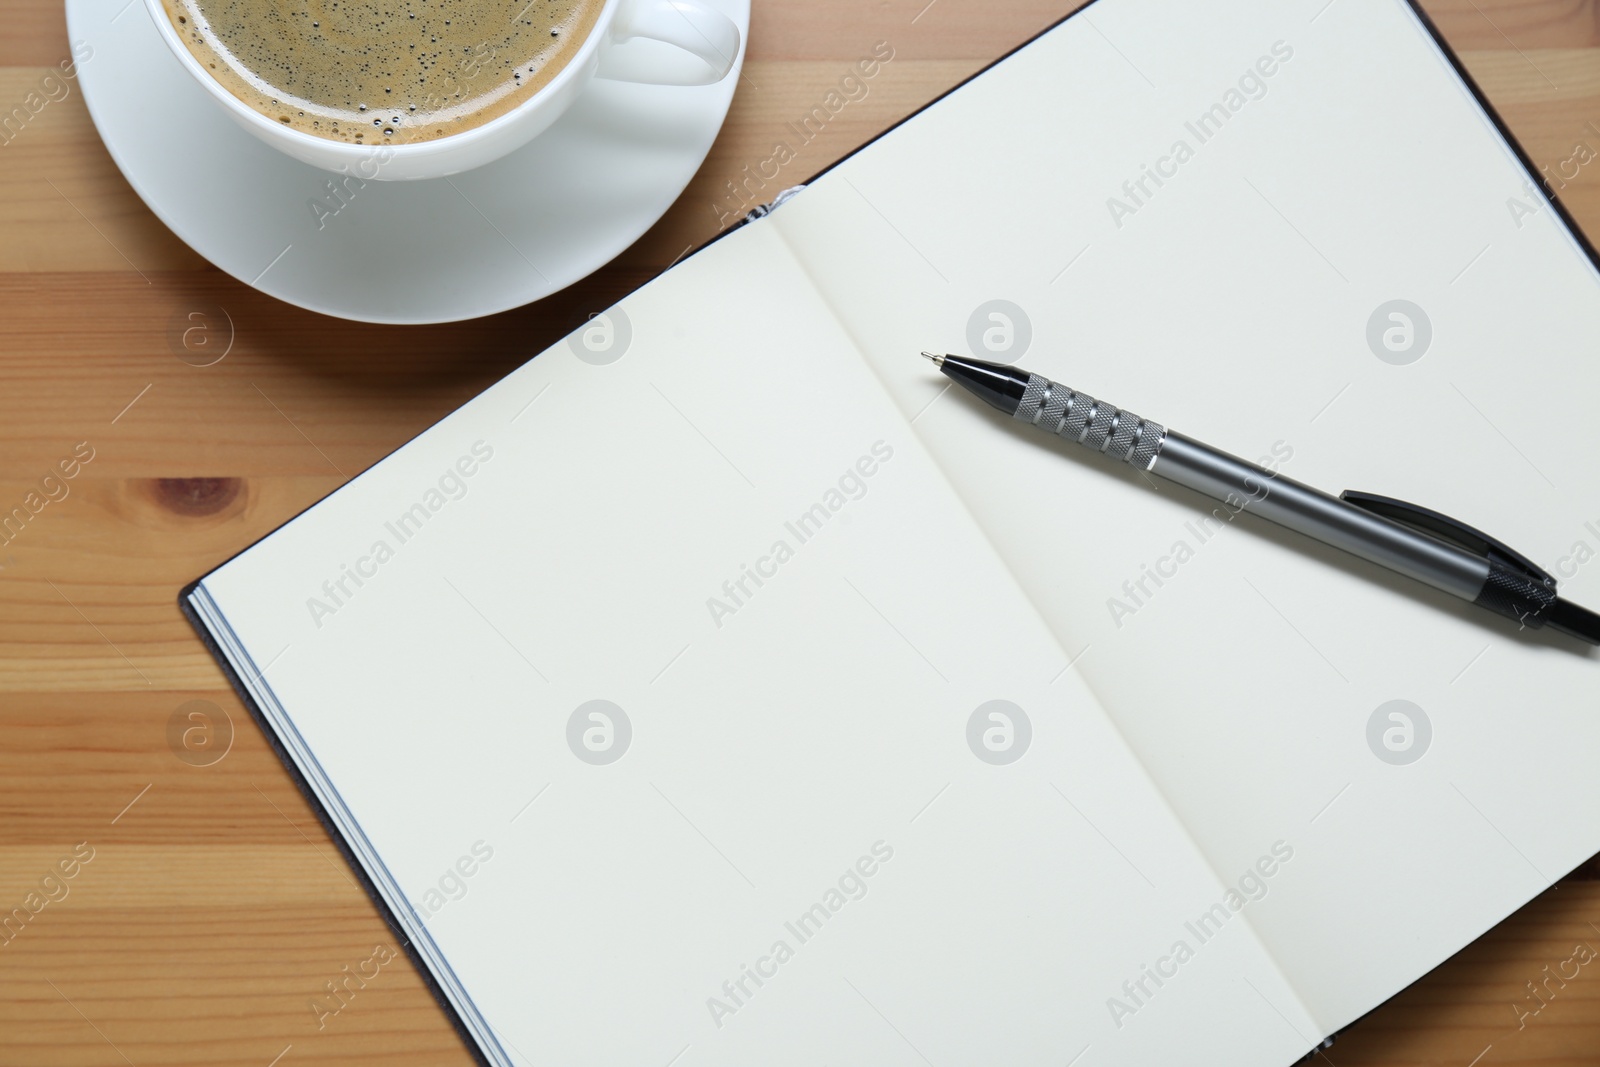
(383, 71)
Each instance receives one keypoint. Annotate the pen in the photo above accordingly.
(1432, 548)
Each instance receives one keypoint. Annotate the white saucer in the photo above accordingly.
(455, 248)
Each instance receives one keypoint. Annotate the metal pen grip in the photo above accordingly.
(1092, 423)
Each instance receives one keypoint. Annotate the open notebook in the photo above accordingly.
(718, 688)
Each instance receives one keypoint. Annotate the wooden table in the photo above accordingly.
(215, 908)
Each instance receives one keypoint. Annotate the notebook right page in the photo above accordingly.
(1286, 229)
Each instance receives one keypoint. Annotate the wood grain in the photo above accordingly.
(215, 909)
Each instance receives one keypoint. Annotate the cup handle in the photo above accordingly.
(691, 25)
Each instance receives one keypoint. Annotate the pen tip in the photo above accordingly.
(938, 361)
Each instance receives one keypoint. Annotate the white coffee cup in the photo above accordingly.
(691, 25)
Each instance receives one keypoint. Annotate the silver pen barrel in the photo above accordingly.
(1149, 446)
(1321, 516)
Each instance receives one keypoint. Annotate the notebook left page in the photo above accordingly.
(669, 681)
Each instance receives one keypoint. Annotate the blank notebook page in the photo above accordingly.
(1231, 301)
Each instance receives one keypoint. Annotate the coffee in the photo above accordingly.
(383, 71)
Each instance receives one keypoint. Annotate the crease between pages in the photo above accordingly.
(1205, 861)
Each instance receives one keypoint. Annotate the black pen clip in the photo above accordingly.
(1515, 586)
(1452, 531)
